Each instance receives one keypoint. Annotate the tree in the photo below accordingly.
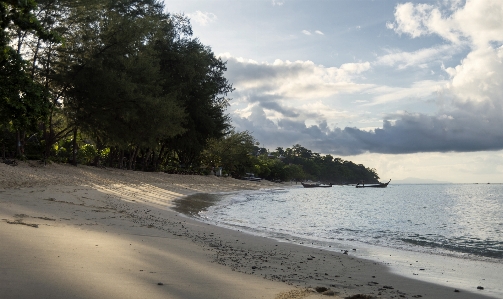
(232, 152)
(113, 89)
(22, 99)
(194, 76)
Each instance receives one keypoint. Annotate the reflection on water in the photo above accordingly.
(395, 225)
(464, 220)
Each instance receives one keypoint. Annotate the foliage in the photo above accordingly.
(239, 153)
(232, 152)
(200, 86)
(22, 99)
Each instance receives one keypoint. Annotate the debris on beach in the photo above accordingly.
(328, 293)
(20, 221)
(321, 289)
(360, 296)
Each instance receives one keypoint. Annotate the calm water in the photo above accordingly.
(458, 220)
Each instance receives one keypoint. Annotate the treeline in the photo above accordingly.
(122, 83)
(238, 153)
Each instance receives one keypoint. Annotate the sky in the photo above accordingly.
(412, 89)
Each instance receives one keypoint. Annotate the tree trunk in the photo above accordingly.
(46, 143)
(23, 142)
(18, 144)
(145, 160)
(35, 57)
(99, 148)
(158, 157)
(74, 152)
(121, 158)
(133, 157)
(111, 157)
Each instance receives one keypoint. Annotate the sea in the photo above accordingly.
(454, 229)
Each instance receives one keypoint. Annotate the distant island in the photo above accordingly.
(411, 180)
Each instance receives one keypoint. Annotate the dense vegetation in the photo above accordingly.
(122, 83)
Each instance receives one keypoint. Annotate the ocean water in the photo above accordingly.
(460, 220)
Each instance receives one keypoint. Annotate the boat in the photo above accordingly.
(315, 185)
(251, 177)
(380, 185)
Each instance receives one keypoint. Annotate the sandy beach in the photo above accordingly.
(86, 232)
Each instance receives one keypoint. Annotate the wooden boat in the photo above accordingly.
(251, 177)
(315, 185)
(380, 185)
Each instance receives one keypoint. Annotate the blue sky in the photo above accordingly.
(413, 89)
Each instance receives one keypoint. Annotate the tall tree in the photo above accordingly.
(115, 88)
(195, 77)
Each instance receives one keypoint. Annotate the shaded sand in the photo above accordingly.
(84, 232)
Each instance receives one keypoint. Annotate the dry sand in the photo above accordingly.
(84, 232)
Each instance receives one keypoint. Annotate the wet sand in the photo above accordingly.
(84, 232)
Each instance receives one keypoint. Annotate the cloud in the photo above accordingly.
(479, 78)
(294, 80)
(477, 22)
(403, 60)
(286, 93)
(290, 102)
(202, 18)
(306, 32)
(419, 89)
(284, 103)
(410, 133)
(319, 32)
(277, 3)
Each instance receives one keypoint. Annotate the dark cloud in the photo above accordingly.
(462, 131)
(269, 102)
(248, 72)
(469, 106)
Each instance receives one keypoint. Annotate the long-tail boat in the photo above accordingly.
(315, 185)
(380, 185)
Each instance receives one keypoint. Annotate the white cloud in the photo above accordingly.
(479, 78)
(306, 32)
(417, 58)
(478, 22)
(356, 68)
(298, 79)
(202, 18)
(284, 93)
(413, 19)
(277, 2)
(319, 32)
(420, 89)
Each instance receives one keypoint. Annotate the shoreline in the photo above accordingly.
(108, 234)
(452, 271)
